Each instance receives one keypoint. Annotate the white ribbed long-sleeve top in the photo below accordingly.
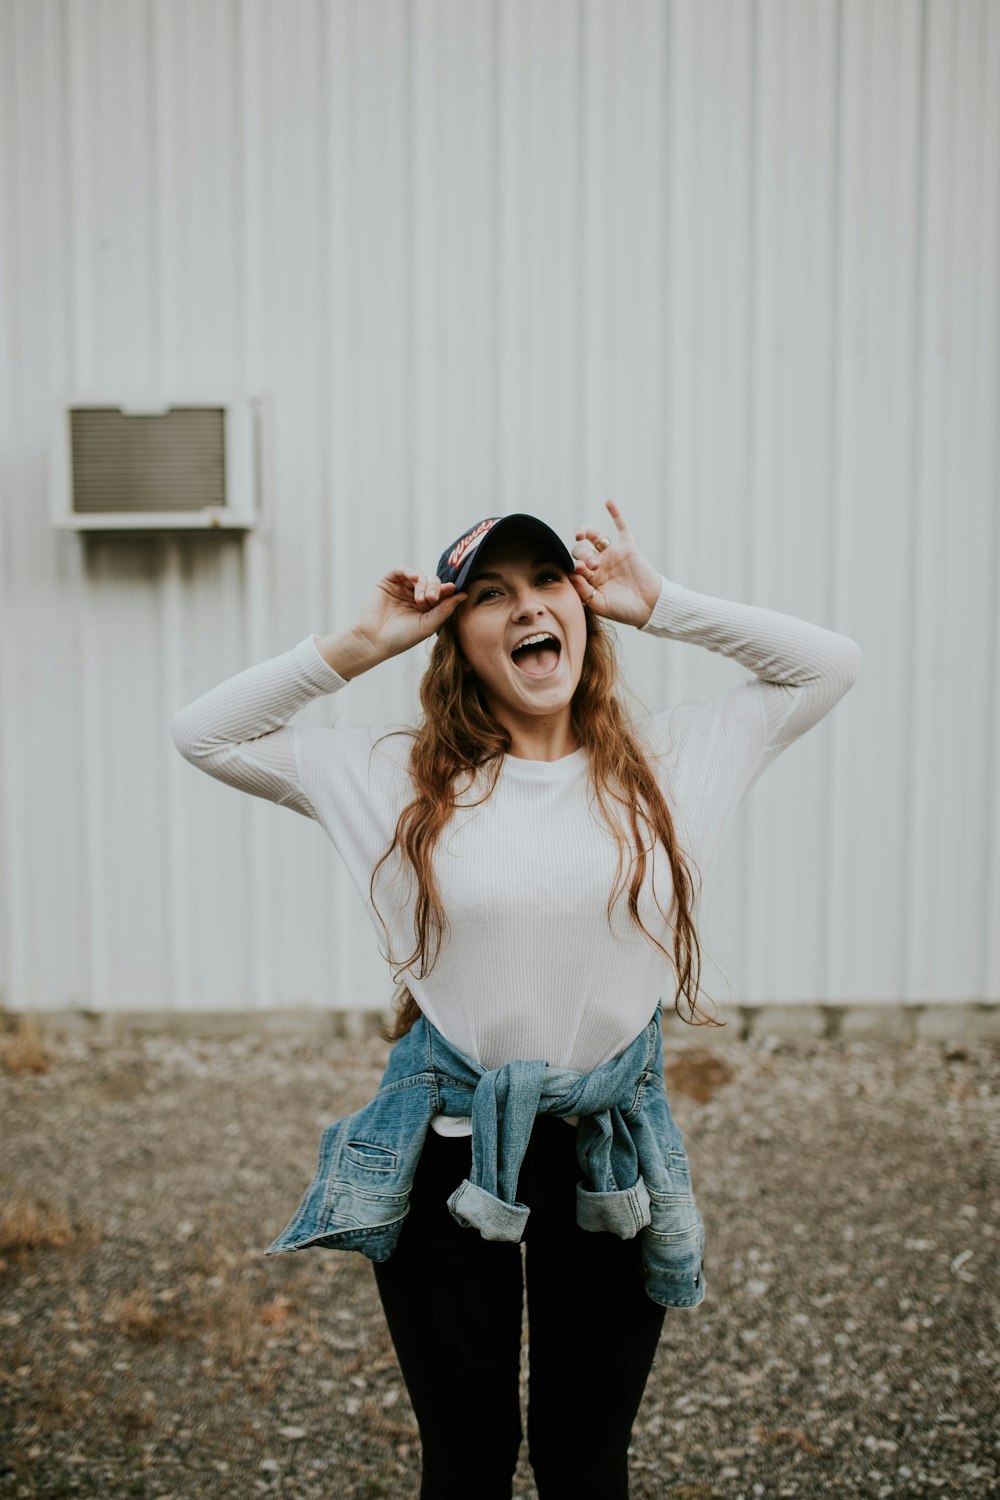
(530, 966)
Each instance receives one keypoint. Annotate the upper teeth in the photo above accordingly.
(529, 640)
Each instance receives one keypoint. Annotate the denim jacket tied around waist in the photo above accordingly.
(635, 1173)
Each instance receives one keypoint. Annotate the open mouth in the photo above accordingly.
(538, 656)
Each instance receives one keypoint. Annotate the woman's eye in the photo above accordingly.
(549, 573)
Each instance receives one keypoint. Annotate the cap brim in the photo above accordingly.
(518, 524)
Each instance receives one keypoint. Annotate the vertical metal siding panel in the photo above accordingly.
(315, 920)
(785, 511)
(10, 843)
(804, 822)
(759, 964)
(969, 564)
(508, 76)
(68, 942)
(338, 555)
(420, 506)
(424, 319)
(565, 492)
(37, 880)
(184, 642)
(623, 139)
(26, 898)
(599, 375)
(870, 184)
(685, 219)
(211, 307)
(162, 160)
(370, 512)
(259, 580)
(260, 575)
(528, 476)
(193, 79)
(717, 508)
(646, 494)
(881, 258)
(127, 238)
(986, 394)
(47, 861)
(80, 33)
(929, 917)
(859, 164)
(283, 906)
(373, 234)
(16, 842)
(181, 831)
(647, 499)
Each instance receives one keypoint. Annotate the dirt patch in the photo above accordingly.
(148, 1348)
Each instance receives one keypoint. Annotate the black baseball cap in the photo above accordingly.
(456, 561)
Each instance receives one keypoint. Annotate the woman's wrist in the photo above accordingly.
(651, 597)
(346, 654)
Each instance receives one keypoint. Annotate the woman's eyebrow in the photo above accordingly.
(536, 564)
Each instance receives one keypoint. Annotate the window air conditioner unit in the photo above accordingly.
(164, 464)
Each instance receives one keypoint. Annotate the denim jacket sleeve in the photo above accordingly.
(634, 1169)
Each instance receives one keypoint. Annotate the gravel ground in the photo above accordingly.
(847, 1345)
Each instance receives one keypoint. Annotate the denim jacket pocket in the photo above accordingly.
(367, 1156)
(677, 1162)
(635, 1107)
(675, 1220)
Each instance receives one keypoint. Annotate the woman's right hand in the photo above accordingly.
(405, 608)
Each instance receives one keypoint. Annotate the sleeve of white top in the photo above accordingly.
(723, 745)
(237, 731)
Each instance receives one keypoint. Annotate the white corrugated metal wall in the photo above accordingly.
(734, 265)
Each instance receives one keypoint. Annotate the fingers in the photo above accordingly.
(617, 517)
(585, 550)
(593, 544)
(449, 603)
(429, 592)
(593, 535)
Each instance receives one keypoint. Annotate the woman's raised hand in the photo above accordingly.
(616, 582)
(405, 607)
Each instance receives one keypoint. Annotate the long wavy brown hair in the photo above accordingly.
(456, 734)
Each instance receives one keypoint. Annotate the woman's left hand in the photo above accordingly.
(617, 582)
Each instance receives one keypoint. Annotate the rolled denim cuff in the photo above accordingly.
(623, 1213)
(475, 1207)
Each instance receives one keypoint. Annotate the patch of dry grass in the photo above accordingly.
(23, 1050)
(54, 1399)
(136, 1316)
(218, 1304)
(697, 1072)
(28, 1223)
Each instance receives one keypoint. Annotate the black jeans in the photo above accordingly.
(453, 1303)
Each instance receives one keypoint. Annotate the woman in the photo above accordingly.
(493, 845)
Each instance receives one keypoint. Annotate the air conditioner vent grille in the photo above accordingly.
(174, 461)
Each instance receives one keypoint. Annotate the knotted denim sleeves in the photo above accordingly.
(505, 1103)
(634, 1170)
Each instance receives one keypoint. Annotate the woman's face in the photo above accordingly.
(515, 592)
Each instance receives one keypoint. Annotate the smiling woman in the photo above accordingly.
(522, 598)
(526, 803)
(490, 718)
